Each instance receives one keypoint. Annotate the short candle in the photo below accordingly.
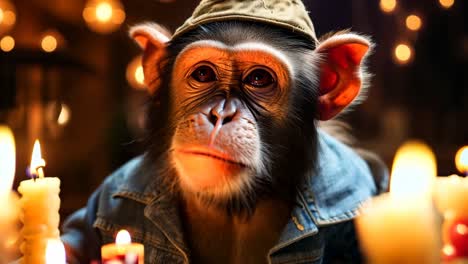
(401, 226)
(123, 251)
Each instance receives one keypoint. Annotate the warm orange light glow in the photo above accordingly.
(123, 238)
(403, 53)
(446, 3)
(7, 159)
(139, 75)
(104, 12)
(7, 16)
(135, 74)
(104, 16)
(414, 170)
(448, 250)
(388, 6)
(413, 22)
(49, 43)
(461, 160)
(64, 115)
(7, 43)
(55, 252)
(37, 162)
(462, 229)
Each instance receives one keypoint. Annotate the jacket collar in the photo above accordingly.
(333, 194)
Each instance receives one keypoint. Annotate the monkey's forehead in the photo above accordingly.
(290, 14)
(257, 48)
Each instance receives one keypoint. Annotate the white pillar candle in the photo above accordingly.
(39, 205)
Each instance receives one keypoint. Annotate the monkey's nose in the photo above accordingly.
(223, 112)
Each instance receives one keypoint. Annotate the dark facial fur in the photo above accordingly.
(287, 135)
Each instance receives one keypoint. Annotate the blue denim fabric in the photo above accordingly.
(320, 229)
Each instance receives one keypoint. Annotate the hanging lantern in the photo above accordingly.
(104, 16)
(7, 16)
(135, 75)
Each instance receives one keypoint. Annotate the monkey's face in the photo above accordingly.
(240, 100)
(218, 92)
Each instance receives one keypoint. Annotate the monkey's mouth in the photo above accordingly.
(214, 154)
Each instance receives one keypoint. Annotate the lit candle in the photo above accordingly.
(8, 199)
(401, 226)
(39, 205)
(55, 252)
(123, 251)
(451, 199)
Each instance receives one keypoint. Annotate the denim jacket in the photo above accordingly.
(320, 229)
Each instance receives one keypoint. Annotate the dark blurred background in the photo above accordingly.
(64, 80)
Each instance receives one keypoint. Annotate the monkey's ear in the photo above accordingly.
(153, 40)
(341, 72)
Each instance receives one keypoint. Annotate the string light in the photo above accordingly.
(446, 3)
(104, 16)
(388, 6)
(49, 43)
(413, 22)
(403, 53)
(7, 16)
(7, 43)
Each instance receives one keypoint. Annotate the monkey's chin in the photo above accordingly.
(205, 170)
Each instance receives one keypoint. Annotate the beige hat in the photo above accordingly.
(289, 14)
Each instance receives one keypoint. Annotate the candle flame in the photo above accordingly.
(414, 170)
(55, 252)
(461, 160)
(123, 238)
(7, 159)
(37, 162)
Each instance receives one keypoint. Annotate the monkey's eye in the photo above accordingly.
(204, 74)
(259, 78)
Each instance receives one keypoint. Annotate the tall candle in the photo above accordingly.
(39, 205)
(8, 199)
(401, 226)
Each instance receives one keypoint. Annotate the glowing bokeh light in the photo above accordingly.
(7, 16)
(413, 22)
(104, 16)
(64, 116)
(135, 74)
(461, 160)
(104, 12)
(49, 43)
(139, 75)
(403, 53)
(446, 3)
(7, 43)
(388, 6)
